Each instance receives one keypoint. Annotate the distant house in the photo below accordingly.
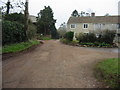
(93, 23)
(33, 19)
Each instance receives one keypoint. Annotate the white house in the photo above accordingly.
(93, 23)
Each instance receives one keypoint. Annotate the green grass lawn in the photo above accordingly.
(45, 38)
(41, 37)
(19, 46)
(107, 71)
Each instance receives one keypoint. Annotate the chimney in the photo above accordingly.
(93, 14)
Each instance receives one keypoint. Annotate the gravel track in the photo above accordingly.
(54, 65)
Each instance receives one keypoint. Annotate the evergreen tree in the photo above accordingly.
(46, 22)
(75, 13)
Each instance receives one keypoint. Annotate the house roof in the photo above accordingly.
(96, 19)
(33, 18)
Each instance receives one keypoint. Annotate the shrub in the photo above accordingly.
(15, 17)
(31, 33)
(107, 36)
(92, 37)
(65, 41)
(13, 32)
(86, 37)
(69, 36)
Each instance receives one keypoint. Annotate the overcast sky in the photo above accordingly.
(63, 8)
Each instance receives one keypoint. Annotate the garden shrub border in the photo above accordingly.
(76, 43)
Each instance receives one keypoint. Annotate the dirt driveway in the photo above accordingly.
(54, 65)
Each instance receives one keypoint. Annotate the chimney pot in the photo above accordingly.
(93, 14)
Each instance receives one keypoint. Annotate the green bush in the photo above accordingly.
(69, 36)
(15, 17)
(31, 33)
(86, 38)
(107, 36)
(65, 41)
(13, 32)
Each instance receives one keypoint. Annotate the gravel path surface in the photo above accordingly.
(54, 65)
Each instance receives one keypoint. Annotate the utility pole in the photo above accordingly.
(26, 17)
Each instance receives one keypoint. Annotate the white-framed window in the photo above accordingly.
(85, 26)
(118, 25)
(73, 26)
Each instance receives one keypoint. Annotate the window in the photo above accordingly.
(118, 25)
(85, 26)
(73, 26)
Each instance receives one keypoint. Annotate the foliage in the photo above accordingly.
(96, 44)
(104, 37)
(19, 46)
(62, 30)
(107, 70)
(54, 33)
(15, 17)
(46, 22)
(69, 35)
(65, 41)
(90, 37)
(107, 36)
(75, 13)
(31, 33)
(41, 37)
(12, 6)
(13, 32)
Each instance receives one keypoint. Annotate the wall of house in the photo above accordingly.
(91, 27)
(99, 26)
(80, 28)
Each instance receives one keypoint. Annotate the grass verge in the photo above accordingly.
(107, 71)
(19, 46)
(65, 41)
(41, 37)
(45, 38)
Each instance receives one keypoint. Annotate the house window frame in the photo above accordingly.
(85, 27)
(118, 25)
(72, 27)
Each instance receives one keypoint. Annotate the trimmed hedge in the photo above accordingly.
(13, 32)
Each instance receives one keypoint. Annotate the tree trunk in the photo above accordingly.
(26, 18)
(8, 7)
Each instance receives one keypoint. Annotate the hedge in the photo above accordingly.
(13, 32)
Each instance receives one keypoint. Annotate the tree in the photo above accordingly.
(15, 17)
(8, 7)
(46, 22)
(26, 17)
(62, 30)
(12, 6)
(75, 13)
